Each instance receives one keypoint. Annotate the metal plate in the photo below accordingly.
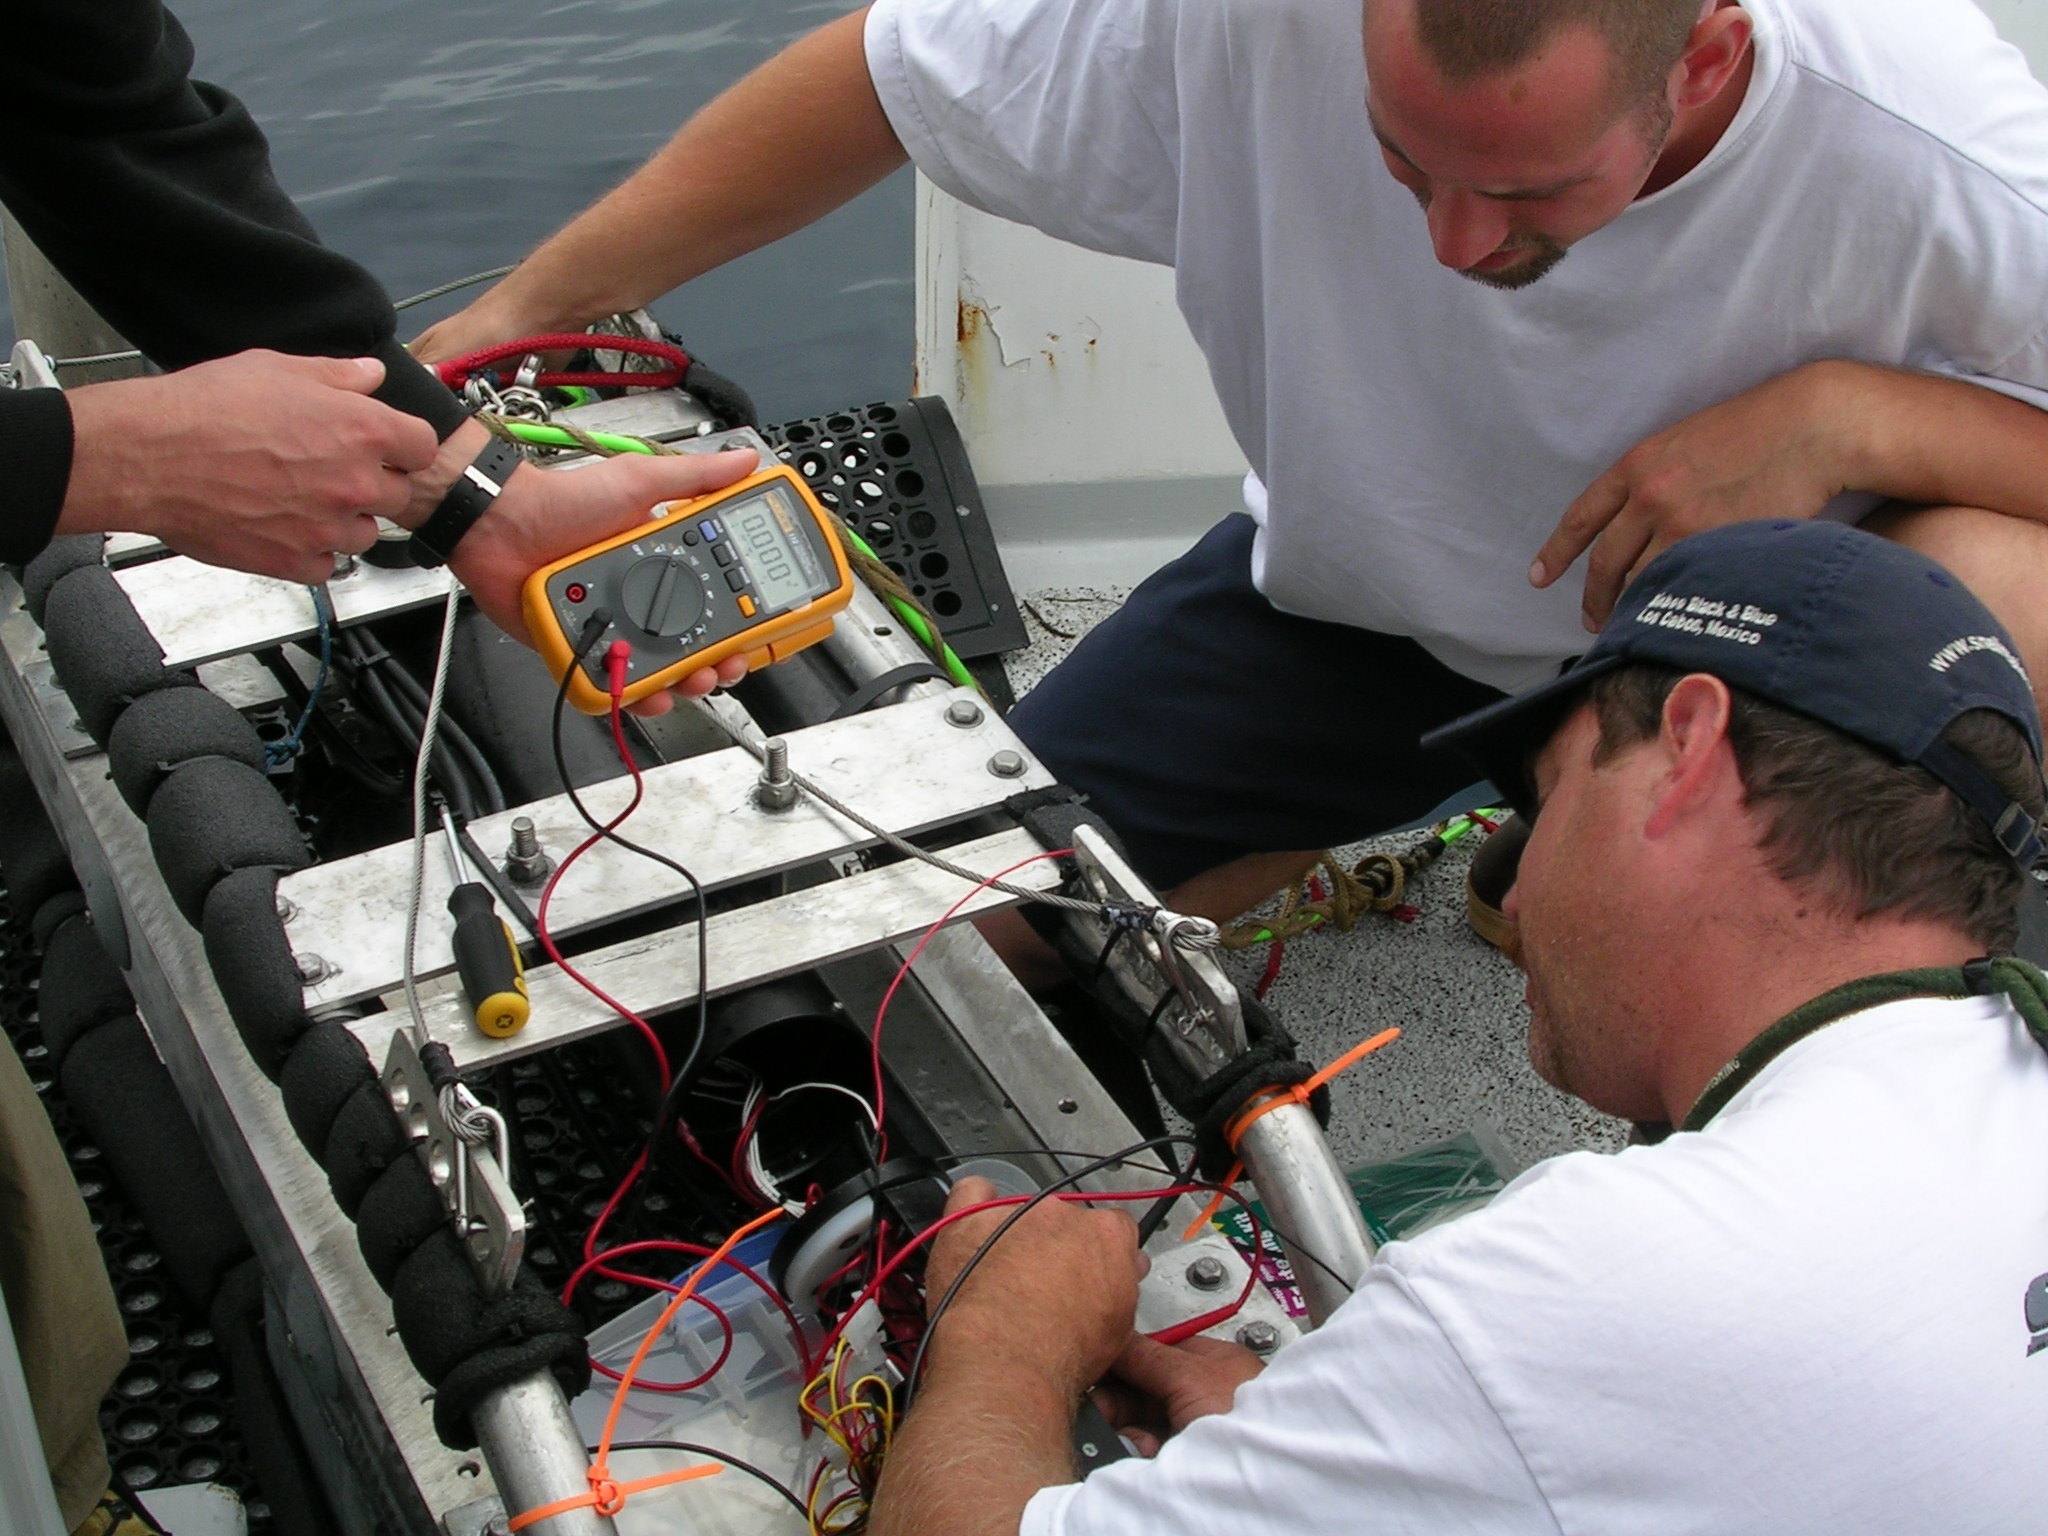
(746, 946)
(904, 767)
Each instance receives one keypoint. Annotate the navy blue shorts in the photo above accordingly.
(1204, 724)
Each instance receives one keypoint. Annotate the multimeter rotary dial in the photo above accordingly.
(662, 595)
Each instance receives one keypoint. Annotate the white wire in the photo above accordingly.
(830, 1088)
(429, 729)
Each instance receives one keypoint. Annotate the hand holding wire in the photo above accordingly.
(1061, 1288)
(1156, 1390)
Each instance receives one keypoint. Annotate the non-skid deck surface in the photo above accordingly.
(1460, 1062)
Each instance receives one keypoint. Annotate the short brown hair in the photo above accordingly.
(1862, 831)
(1467, 39)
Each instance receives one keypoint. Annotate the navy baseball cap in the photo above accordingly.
(1850, 629)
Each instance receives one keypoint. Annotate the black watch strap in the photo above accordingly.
(468, 499)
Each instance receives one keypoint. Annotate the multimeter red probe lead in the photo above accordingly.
(756, 569)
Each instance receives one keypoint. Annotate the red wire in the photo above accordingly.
(642, 1384)
(457, 371)
(882, 1136)
(597, 1266)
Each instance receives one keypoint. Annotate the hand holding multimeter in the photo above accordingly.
(754, 570)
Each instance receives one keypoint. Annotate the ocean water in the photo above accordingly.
(433, 138)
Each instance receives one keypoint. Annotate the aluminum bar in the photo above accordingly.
(1314, 1213)
(537, 1456)
(747, 946)
(352, 912)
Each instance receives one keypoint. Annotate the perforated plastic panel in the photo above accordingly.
(898, 473)
(169, 1419)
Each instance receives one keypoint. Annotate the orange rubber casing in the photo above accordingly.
(763, 644)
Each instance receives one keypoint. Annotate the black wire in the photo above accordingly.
(934, 1314)
(376, 692)
(1153, 1219)
(672, 1094)
(693, 1449)
(451, 731)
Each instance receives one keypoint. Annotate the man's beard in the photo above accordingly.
(1541, 259)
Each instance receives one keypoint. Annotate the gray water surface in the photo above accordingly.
(432, 138)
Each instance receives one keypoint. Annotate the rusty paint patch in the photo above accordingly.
(973, 321)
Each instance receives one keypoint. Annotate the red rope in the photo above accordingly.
(458, 371)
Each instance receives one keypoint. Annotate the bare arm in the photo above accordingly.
(1788, 447)
(799, 136)
(1041, 1318)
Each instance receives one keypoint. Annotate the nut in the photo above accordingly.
(1208, 1273)
(1260, 1338)
(963, 713)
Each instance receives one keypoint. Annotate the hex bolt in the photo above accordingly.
(1207, 1273)
(775, 790)
(525, 863)
(1007, 764)
(1259, 1338)
(285, 910)
(963, 713)
(313, 969)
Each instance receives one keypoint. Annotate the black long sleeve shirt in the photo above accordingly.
(152, 193)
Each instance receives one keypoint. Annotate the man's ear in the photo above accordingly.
(1713, 54)
(1697, 757)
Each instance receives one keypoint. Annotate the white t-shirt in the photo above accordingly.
(1414, 436)
(1809, 1317)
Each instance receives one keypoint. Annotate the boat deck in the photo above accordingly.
(1460, 1062)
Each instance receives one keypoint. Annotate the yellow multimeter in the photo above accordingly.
(755, 569)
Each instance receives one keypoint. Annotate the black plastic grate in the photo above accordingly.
(898, 473)
(170, 1418)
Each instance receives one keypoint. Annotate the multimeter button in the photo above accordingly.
(661, 594)
(746, 606)
(724, 554)
(709, 529)
(689, 535)
(736, 580)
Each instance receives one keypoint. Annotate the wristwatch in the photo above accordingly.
(468, 499)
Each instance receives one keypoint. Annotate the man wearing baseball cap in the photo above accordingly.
(1783, 813)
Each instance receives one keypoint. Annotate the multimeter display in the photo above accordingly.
(784, 571)
(754, 569)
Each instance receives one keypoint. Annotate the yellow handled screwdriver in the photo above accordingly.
(486, 955)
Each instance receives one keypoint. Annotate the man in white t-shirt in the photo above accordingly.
(1796, 779)
(1804, 252)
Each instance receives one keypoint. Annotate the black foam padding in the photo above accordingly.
(261, 1412)
(126, 1100)
(366, 1140)
(32, 857)
(172, 726)
(82, 989)
(212, 817)
(898, 473)
(104, 654)
(401, 1211)
(466, 1344)
(251, 957)
(566, 1354)
(52, 914)
(326, 1066)
(60, 557)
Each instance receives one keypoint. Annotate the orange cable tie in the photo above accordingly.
(1265, 1101)
(607, 1496)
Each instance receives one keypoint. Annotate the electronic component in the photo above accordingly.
(753, 570)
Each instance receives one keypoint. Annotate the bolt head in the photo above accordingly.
(286, 911)
(312, 968)
(1208, 1273)
(1260, 1338)
(1007, 764)
(963, 713)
